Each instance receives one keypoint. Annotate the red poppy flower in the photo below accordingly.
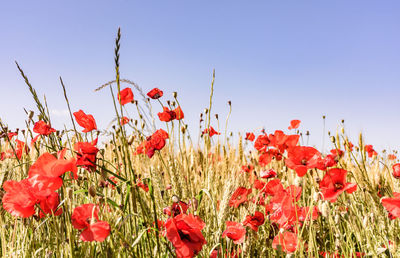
(86, 217)
(124, 120)
(268, 173)
(49, 205)
(392, 205)
(86, 121)
(235, 231)
(20, 148)
(287, 240)
(334, 183)
(11, 135)
(392, 157)
(250, 137)
(178, 208)
(254, 221)
(304, 213)
(155, 93)
(266, 157)
(294, 124)
(49, 168)
(19, 199)
(42, 128)
(179, 113)
(396, 170)
(86, 154)
(167, 115)
(271, 188)
(184, 232)
(283, 207)
(152, 143)
(125, 96)
(210, 131)
(337, 153)
(370, 150)
(262, 142)
(21, 196)
(156, 142)
(327, 162)
(247, 168)
(302, 158)
(142, 185)
(239, 197)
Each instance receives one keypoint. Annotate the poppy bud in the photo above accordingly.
(168, 102)
(194, 203)
(131, 138)
(70, 193)
(333, 140)
(342, 130)
(229, 103)
(30, 115)
(216, 116)
(175, 94)
(183, 129)
(92, 191)
(206, 111)
(396, 170)
(323, 117)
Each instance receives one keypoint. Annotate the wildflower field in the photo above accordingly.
(141, 190)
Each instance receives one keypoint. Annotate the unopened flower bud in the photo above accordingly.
(92, 191)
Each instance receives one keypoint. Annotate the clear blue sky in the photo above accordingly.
(275, 60)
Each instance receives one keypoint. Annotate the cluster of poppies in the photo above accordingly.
(39, 188)
(45, 177)
(280, 203)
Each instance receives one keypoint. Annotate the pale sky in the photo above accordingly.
(275, 60)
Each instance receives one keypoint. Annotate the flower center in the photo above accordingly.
(304, 162)
(183, 236)
(338, 186)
